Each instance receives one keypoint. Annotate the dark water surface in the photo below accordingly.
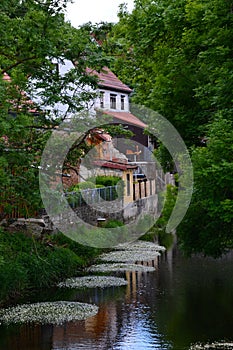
(183, 302)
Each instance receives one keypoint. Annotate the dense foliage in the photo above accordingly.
(178, 57)
(35, 39)
(27, 263)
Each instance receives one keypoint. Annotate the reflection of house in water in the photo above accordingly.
(35, 337)
(101, 331)
(134, 278)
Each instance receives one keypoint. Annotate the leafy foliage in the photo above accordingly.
(105, 180)
(28, 263)
(178, 58)
(211, 211)
(35, 40)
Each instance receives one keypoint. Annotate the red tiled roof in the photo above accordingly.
(109, 80)
(26, 102)
(6, 77)
(101, 135)
(113, 165)
(127, 118)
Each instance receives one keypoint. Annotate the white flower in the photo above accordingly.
(93, 282)
(130, 256)
(140, 245)
(48, 313)
(120, 267)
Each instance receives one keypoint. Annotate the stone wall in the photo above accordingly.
(115, 210)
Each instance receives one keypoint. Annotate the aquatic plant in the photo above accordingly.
(118, 267)
(47, 313)
(93, 282)
(212, 346)
(129, 255)
(140, 245)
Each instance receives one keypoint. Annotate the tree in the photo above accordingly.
(34, 38)
(208, 225)
(178, 58)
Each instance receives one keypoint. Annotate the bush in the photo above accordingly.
(75, 200)
(29, 264)
(83, 186)
(13, 243)
(105, 180)
(13, 277)
(38, 272)
(85, 253)
(113, 223)
(63, 258)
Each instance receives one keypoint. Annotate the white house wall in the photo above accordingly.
(106, 100)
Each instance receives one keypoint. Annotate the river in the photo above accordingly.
(183, 302)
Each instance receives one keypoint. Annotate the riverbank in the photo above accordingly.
(28, 264)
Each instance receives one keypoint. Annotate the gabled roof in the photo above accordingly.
(25, 102)
(6, 77)
(127, 118)
(114, 165)
(108, 80)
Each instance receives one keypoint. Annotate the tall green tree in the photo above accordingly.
(178, 58)
(35, 39)
(208, 225)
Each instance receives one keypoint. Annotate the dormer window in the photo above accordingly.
(113, 101)
(122, 102)
(101, 99)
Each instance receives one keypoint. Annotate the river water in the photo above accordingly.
(183, 302)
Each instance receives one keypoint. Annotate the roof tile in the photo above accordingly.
(107, 79)
(127, 118)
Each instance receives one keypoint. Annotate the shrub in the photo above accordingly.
(38, 272)
(105, 181)
(83, 186)
(29, 264)
(13, 277)
(112, 223)
(63, 260)
(86, 253)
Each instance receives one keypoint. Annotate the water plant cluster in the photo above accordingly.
(212, 346)
(132, 252)
(141, 245)
(48, 312)
(120, 267)
(125, 255)
(93, 282)
(58, 257)
(129, 256)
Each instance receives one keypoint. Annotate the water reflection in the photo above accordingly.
(123, 323)
(184, 301)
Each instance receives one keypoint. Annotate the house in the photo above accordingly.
(106, 160)
(113, 101)
(118, 157)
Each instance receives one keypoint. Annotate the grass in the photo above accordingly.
(28, 264)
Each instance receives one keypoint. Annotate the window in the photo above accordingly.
(122, 102)
(128, 184)
(101, 99)
(151, 189)
(113, 101)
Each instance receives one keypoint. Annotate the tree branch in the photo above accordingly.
(5, 70)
